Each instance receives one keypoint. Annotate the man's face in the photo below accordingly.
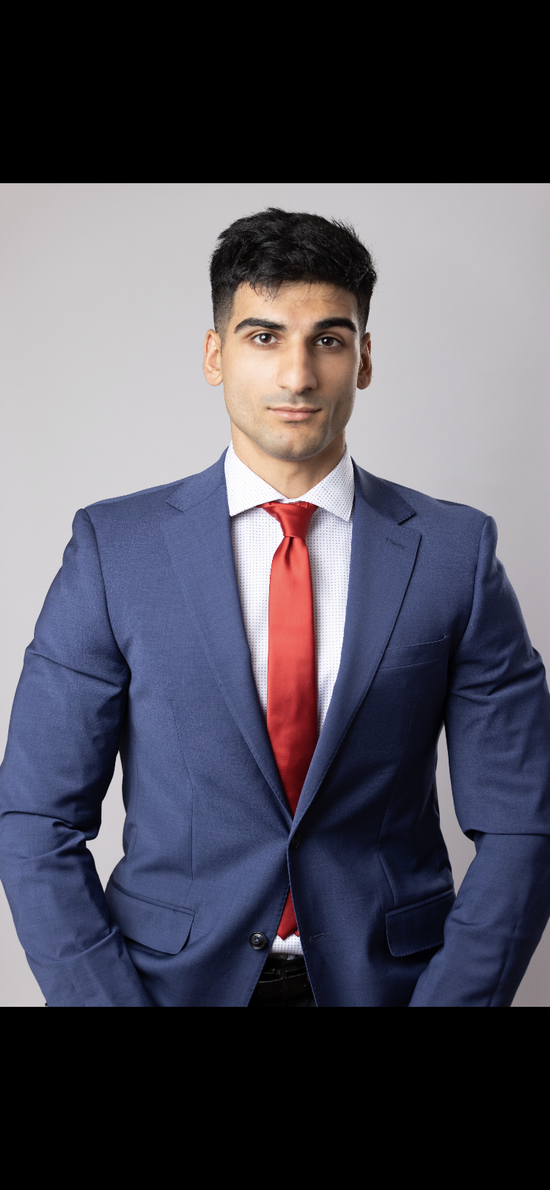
(290, 365)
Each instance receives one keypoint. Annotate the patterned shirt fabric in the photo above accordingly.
(256, 536)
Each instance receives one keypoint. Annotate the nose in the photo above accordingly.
(296, 371)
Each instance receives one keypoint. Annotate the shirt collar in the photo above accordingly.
(246, 490)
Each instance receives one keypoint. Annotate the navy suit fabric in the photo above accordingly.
(140, 648)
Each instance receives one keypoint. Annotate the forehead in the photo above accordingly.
(296, 304)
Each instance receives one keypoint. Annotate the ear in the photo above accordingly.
(364, 376)
(212, 364)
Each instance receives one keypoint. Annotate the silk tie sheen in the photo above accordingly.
(291, 667)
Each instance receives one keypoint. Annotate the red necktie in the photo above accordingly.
(291, 668)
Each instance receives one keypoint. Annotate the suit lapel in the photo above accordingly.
(382, 559)
(197, 530)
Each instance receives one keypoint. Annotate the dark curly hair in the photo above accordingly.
(275, 246)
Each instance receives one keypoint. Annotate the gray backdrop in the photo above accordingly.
(105, 302)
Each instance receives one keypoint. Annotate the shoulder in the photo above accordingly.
(144, 506)
(430, 513)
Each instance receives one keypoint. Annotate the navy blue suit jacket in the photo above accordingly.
(140, 648)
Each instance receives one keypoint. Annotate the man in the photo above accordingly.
(273, 646)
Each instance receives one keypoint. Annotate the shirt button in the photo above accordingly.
(258, 941)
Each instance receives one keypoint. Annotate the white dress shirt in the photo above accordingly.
(256, 536)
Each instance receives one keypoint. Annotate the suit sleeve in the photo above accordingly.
(62, 745)
(498, 735)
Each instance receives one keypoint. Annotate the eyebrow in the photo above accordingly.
(324, 324)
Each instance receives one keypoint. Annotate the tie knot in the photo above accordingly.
(294, 519)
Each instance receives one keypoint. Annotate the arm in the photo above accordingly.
(498, 735)
(62, 745)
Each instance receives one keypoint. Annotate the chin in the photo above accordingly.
(291, 449)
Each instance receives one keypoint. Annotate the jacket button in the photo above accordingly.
(258, 941)
(295, 842)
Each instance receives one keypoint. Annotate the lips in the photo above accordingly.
(291, 413)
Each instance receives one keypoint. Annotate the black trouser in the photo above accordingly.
(283, 984)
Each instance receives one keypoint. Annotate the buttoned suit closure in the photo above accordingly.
(141, 647)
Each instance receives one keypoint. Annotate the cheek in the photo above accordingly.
(340, 376)
(246, 384)
(343, 408)
(243, 407)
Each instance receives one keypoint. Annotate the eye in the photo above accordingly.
(329, 341)
(264, 337)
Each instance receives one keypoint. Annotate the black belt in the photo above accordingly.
(283, 977)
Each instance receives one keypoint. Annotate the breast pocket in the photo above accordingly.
(425, 653)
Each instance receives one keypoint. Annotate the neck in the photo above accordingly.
(291, 477)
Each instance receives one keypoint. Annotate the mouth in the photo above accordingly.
(293, 413)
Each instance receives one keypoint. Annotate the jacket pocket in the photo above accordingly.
(398, 656)
(419, 926)
(152, 923)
